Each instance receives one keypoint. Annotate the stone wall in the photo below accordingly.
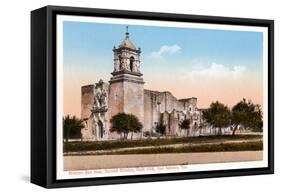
(163, 107)
(126, 95)
(87, 101)
(156, 103)
(94, 106)
(100, 113)
(116, 98)
(151, 109)
(134, 99)
(168, 102)
(189, 104)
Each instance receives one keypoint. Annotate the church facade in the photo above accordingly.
(125, 92)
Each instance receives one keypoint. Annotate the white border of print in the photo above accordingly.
(61, 174)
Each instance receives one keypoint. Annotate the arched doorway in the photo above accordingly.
(100, 129)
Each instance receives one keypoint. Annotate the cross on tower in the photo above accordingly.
(127, 31)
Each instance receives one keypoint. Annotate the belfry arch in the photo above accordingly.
(132, 60)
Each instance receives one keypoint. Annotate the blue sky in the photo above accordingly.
(223, 60)
(88, 40)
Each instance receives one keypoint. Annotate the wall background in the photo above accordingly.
(15, 95)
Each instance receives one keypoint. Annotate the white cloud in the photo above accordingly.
(216, 72)
(166, 50)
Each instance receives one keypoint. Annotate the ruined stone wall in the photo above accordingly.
(147, 111)
(156, 103)
(168, 102)
(151, 109)
(87, 101)
(189, 104)
(175, 131)
(166, 120)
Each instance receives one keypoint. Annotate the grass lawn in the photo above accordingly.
(222, 147)
(107, 145)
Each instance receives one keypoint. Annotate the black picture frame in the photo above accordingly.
(43, 95)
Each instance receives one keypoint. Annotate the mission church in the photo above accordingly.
(125, 93)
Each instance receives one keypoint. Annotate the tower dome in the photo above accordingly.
(126, 43)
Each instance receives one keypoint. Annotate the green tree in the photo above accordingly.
(72, 127)
(217, 115)
(185, 125)
(123, 123)
(246, 114)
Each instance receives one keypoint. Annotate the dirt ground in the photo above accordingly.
(87, 162)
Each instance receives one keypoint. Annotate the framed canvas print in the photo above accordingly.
(125, 96)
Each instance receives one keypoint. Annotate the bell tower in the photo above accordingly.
(126, 58)
(126, 84)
